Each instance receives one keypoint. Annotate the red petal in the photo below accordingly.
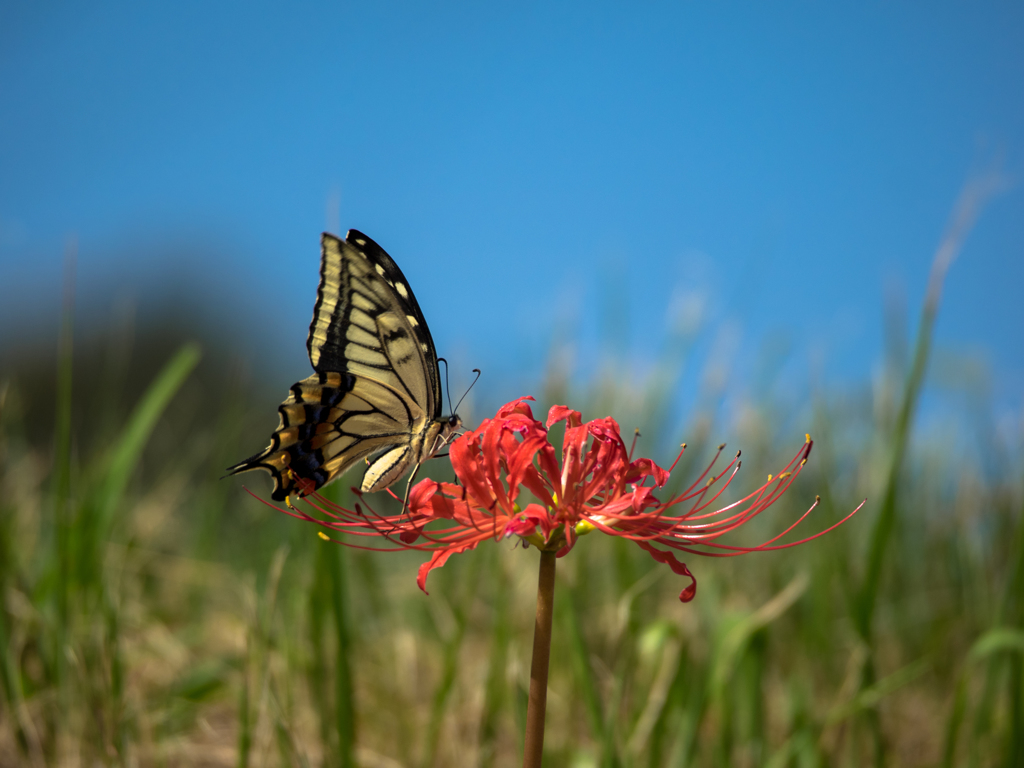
(516, 406)
(465, 456)
(560, 412)
(536, 484)
(642, 498)
(549, 468)
(441, 508)
(678, 568)
(521, 462)
(439, 558)
(539, 516)
(420, 497)
(520, 525)
(647, 468)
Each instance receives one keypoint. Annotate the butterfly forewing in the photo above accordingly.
(376, 392)
(367, 321)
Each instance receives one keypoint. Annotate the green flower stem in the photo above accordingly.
(541, 656)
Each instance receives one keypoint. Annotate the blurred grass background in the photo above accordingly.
(153, 614)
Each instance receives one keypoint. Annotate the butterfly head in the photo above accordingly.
(450, 428)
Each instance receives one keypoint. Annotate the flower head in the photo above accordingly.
(595, 485)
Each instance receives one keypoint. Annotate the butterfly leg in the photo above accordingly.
(408, 487)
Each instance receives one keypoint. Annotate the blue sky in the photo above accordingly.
(527, 166)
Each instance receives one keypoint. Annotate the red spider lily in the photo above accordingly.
(597, 486)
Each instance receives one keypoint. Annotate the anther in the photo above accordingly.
(323, 535)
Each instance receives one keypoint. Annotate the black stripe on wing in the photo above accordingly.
(333, 305)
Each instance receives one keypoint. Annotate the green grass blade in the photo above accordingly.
(344, 704)
(1011, 611)
(968, 207)
(657, 696)
(127, 451)
(318, 672)
(993, 643)
(245, 707)
(736, 639)
(956, 718)
(674, 738)
(450, 664)
(996, 641)
(601, 731)
(870, 698)
(495, 694)
(1015, 731)
(972, 199)
(62, 452)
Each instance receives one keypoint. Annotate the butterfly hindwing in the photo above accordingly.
(376, 393)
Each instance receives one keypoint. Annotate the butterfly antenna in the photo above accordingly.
(478, 374)
(447, 386)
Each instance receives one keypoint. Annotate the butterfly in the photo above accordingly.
(376, 393)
